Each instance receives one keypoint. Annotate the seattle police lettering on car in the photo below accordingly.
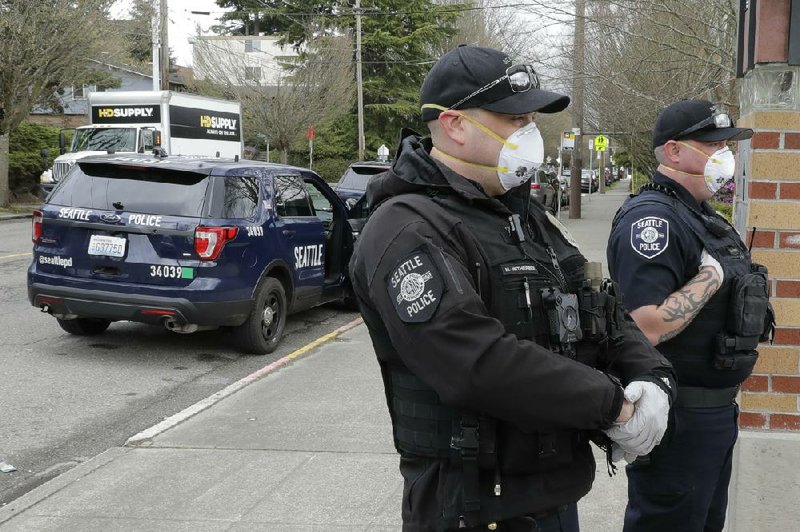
(144, 219)
(305, 256)
(74, 214)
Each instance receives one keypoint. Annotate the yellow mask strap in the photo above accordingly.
(681, 171)
(476, 165)
(477, 124)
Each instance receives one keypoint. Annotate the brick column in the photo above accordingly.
(763, 494)
(768, 198)
(771, 397)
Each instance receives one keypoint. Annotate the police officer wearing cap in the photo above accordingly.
(687, 279)
(499, 361)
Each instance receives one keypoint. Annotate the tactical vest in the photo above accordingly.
(718, 348)
(525, 267)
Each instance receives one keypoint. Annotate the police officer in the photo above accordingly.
(488, 338)
(684, 274)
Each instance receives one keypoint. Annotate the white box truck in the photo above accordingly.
(140, 121)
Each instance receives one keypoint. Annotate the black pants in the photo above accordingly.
(565, 520)
(684, 486)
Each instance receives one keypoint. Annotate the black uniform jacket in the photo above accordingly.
(438, 327)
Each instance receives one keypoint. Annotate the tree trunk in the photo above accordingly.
(284, 156)
(4, 188)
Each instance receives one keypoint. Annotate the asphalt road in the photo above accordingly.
(64, 399)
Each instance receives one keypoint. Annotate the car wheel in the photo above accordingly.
(84, 326)
(262, 331)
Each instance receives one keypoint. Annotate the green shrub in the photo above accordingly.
(638, 180)
(725, 209)
(25, 161)
(331, 169)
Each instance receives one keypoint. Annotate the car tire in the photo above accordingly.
(261, 333)
(84, 326)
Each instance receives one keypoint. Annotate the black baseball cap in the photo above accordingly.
(696, 120)
(466, 69)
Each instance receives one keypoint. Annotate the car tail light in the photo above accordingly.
(209, 241)
(36, 226)
(535, 186)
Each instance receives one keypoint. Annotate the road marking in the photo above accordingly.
(17, 255)
(186, 413)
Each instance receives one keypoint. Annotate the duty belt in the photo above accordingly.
(697, 397)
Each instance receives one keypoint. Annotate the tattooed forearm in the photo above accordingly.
(682, 306)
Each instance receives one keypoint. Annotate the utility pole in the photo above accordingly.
(359, 84)
(156, 38)
(578, 82)
(164, 44)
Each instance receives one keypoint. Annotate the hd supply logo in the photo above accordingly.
(116, 112)
(216, 122)
(208, 124)
(125, 114)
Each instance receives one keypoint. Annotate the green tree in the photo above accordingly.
(46, 45)
(401, 39)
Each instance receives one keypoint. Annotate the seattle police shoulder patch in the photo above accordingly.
(650, 236)
(415, 287)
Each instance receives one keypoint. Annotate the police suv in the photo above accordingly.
(189, 244)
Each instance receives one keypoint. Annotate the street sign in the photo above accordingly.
(568, 141)
(600, 143)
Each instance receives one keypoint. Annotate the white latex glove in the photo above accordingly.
(646, 427)
(618, 454)
(708, 260)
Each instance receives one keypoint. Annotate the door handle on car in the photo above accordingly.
(288, 232)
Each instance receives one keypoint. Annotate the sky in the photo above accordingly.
(182, 23)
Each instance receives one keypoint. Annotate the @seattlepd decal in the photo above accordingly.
(650, 236)
(415, 287)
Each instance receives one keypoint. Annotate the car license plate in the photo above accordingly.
(109, 246)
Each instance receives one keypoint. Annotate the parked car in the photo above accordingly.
(353, 183)
(189, 244)
(586, 176)
(543, 190)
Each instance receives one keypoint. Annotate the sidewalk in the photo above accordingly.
(308, 447)
(18, 211)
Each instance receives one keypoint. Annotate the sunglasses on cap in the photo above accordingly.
(718, 120)
(521, 78)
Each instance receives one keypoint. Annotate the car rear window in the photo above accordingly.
(135, 189)
(356, 177)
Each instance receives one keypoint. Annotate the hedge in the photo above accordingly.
(25, 163)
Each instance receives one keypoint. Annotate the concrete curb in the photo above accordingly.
(54, 485)
(22, 216)
(143, 438)
(140, 440)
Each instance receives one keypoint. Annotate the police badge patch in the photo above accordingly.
(415, 287)
(650, 236)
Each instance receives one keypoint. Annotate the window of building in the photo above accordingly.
(252, 45)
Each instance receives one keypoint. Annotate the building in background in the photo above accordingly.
(73, 98)
(241, 60)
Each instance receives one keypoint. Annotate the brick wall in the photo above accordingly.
(771, 396)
